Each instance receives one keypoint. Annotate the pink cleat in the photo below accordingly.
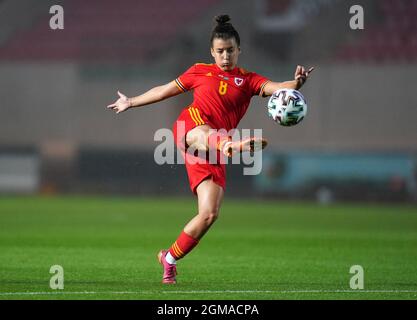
(170, 270)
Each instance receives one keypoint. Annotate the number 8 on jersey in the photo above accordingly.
(222, 88)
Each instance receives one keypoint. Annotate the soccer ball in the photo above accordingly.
(287, 107)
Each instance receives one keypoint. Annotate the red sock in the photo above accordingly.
(217, 139)
(184, 244)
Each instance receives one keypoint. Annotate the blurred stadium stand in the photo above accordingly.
(55, 84)
(393, 39)
(332, 176)
(19, 170)
(129, 30)
(289, 15)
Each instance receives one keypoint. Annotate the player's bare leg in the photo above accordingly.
(198, 138)
(210, 196)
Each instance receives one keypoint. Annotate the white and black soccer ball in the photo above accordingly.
(287, 107)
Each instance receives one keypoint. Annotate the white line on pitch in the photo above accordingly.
(199, 291)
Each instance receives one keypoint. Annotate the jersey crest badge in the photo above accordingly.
(238, 81)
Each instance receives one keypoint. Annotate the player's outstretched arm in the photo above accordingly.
(155, 94)
(300, 77)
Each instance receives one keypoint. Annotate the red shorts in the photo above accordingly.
(197, 171)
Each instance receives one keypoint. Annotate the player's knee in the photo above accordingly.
(210, 216)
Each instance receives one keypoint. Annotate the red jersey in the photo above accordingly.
(223, 97)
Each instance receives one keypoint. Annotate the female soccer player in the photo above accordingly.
(222, 92)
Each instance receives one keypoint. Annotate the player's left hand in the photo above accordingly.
(301, 74)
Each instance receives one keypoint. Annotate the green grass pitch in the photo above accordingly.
(255, 250)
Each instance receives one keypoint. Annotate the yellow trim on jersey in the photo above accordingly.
(261, 91)
(199, 116)
(203, 64)
(195, 116)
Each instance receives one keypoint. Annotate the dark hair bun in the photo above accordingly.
(222, 19)
(223, 29)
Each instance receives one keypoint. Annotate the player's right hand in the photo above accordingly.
(121, 104)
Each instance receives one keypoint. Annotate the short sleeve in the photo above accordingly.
(186, 81)
(257, 84)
